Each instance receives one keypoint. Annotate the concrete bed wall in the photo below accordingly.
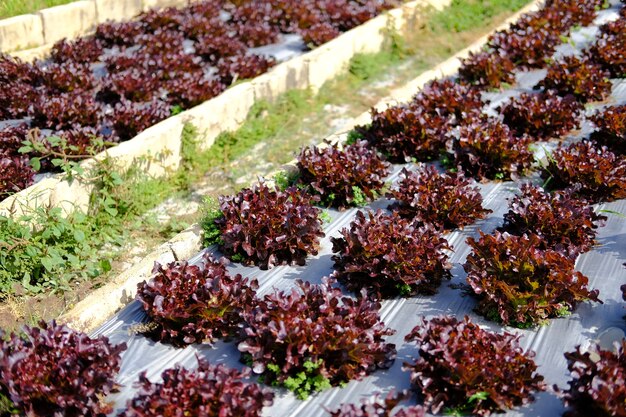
(31, 36)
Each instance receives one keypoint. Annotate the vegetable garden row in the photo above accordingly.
(106, 88)
(356, 301)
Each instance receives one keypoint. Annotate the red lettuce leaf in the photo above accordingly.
(465, 368)
(388, 255)
(195, 304)
(445, 200)
(208, 391)
(52, 370)
(520, 284)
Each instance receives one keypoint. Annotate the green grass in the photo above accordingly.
(463, 15)
(265, 120)
(9, 8)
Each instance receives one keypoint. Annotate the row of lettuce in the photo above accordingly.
(315, 336)
(105, 88)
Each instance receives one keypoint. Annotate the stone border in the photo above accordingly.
(158, 147)
(31, 36)
(96, 308)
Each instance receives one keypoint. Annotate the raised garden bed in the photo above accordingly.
(245, 44)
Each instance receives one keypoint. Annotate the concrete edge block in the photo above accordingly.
(267, 86)
(71, 196)
(159, 4)
(29, 55)
(225, 112)
(330, 59)
(187, 243)
(116, 10)
(21, 32)
(101, 304)
(37, 195)
(289, 75)
(370, 36)
(163, 142)
(69, 20)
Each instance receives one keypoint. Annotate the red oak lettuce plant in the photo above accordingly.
(445, 200)
(311, 338)
(404, 132)
(484, 147)
(416, 130)
(118, 33)
(65, 78)
(565, 223)
(593, 172)
(342, 177)
(581, 77)
(65, 111)
(542, 116)
(79, 141)
(487, 69)
(208, 391)
(379, 407)
(608, 49)
(614, 27)
(449, 99)
(244, 67)
(192, 88)
(388, 255)
(268, 227)
(12, 138)
(16, 99)
(19, 90)
(610, 130)
(574, 12)
(14, 69)
(79, 51)
(525, 47)
(598, 384)
(56, 371)
(130, 118)
(251, 23)
(195, 304)
(520, 284)
(463, 368)
(534, 37)
(319, 33)
(213, 48)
